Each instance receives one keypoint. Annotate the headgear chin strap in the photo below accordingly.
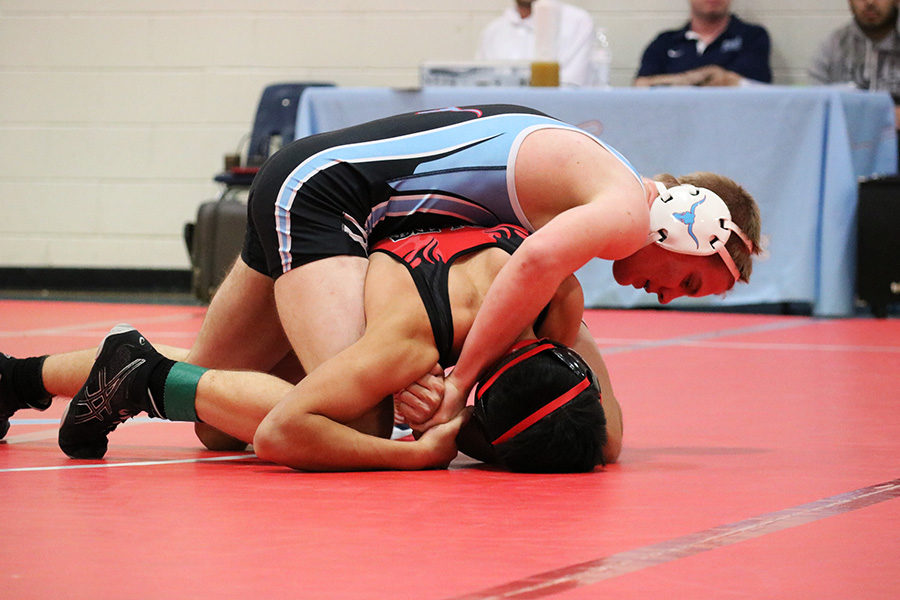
(693, 220)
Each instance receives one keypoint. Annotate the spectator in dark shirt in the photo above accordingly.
(714, 48)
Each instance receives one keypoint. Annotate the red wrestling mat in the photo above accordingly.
(761, 461)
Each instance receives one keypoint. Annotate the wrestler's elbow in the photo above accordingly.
(269, 442)
(272, 442)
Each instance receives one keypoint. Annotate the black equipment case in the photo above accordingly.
(878, 243)
(214, 242)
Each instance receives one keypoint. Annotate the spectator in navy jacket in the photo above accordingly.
(714, 48)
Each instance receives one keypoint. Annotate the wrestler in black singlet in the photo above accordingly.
(428, 257)
(339, 192)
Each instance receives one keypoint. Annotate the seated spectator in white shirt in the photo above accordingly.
(511, 37)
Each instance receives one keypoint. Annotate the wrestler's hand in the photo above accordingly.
(419, 401)
(452, 405)
(439, 442)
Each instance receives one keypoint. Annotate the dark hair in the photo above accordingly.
(527, 382)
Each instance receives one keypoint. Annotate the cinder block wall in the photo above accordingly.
(115, 115)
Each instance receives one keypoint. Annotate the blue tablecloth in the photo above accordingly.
(799, 151)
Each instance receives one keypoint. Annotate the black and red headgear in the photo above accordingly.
(518, 391)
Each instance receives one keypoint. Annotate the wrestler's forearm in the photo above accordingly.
(313, 442)
(522, 288)
(310, 428)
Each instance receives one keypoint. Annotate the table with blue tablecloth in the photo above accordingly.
(799, 151)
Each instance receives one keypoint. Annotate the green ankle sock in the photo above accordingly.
(180, 392)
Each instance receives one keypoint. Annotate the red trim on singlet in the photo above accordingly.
(443, 245)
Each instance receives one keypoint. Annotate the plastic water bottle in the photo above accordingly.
(601, 58)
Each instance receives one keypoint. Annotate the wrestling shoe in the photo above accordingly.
(13, 397)
(115, 391)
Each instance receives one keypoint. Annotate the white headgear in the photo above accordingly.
(691, 220)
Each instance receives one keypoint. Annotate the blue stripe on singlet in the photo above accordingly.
(434, 204)
(469, 164)
(477, 143)
(457, 189)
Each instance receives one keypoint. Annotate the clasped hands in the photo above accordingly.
(709, 75)
(430, 401)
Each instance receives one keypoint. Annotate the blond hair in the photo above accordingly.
(743, 208)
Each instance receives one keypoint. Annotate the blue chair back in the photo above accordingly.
(276, 117)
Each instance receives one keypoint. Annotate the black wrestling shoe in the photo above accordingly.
(11, 398)
(115, 391)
